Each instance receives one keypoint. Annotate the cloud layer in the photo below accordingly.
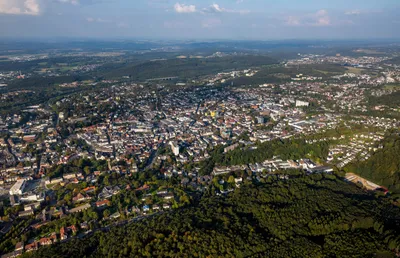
(182, 8)
(212, 9)
(320, 18)
(18, 7)
(209, 19)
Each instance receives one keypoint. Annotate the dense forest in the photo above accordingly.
(383, 167)
(304, 216)
(186, 68)
(391, 100)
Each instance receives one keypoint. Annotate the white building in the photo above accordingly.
(18, 187)
(175, 148)
(300, 103)
(61, 115)
(260, 120)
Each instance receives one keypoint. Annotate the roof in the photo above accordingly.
(80, 208)
(103, 202)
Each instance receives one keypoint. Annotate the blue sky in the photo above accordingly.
(201, 19)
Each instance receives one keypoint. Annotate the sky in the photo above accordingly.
(201, 19)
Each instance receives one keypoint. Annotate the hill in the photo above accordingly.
(383, 167)
(185, 67)
(304, 216)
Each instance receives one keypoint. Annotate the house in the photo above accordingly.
(69, 176)
(66, 231)
(168, 196)
(29, 138)
(12, 254)
(31, 247)
(25, 213)
(80, 208)
(89, 189)
(63, 234)
(238, 180)
(80, 198)
(143, 188)
(146, 208)
(84, 225)
(203, 179)
(48, 240)
(19, 246)
(102, 204)
(322, 169)
(73, 229)
(109, 191)
(162, 192)
(32, 206)
(115, 215)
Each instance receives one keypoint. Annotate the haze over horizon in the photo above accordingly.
(194, 19)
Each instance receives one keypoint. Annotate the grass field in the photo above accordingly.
(355, 70)
(392, 86)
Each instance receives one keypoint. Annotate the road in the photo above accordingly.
(153, 157)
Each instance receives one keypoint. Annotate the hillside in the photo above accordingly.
(383, 167)
(306, 216)
(185, 68)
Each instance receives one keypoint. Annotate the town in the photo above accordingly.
(103, 157)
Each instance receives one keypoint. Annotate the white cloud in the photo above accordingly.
(318, 19)
(182, 8)
(216, 8)
(91, 19)
(323, 18)
(20, 7)
(323, 21)
(321, 13)
(74, 2)
(353, 12)
(293, 21)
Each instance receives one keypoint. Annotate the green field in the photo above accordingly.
(392, 86)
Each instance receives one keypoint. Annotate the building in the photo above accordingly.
(260, 120)
(231, 148)
(175, 148)
(300, 103)
(18, 187)
(29, 138)
(134, 168)
(80, 208)
(226, 134)
(61, 115)
(102, 204)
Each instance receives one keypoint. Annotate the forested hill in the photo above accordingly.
(307, 216)
(184, 68)
(383, 167)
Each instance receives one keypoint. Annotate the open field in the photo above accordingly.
(392, 86)
(355, 70)
(351, 177)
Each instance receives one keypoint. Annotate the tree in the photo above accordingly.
(87, 170)
(231, 180)
(106, 213)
